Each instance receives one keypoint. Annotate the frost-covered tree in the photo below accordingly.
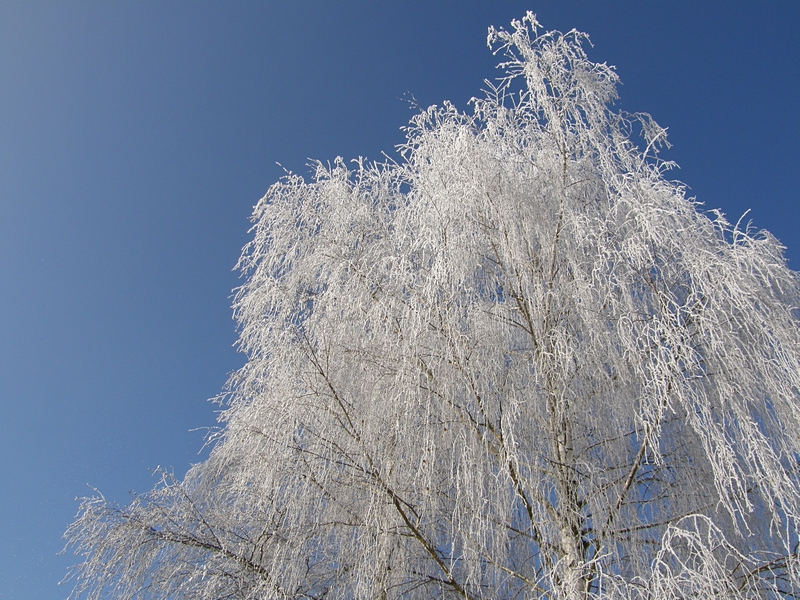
(519, 363)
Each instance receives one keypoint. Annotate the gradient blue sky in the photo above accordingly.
(136, 137)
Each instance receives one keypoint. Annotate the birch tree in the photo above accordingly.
(518, 363)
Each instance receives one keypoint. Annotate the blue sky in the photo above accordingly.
(136, 137)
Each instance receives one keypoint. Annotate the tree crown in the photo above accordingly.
(517, 363)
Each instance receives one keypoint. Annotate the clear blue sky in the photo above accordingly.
(136, 137)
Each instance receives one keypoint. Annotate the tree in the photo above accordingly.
(518, 363)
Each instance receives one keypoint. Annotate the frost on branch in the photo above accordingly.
(520, 363)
